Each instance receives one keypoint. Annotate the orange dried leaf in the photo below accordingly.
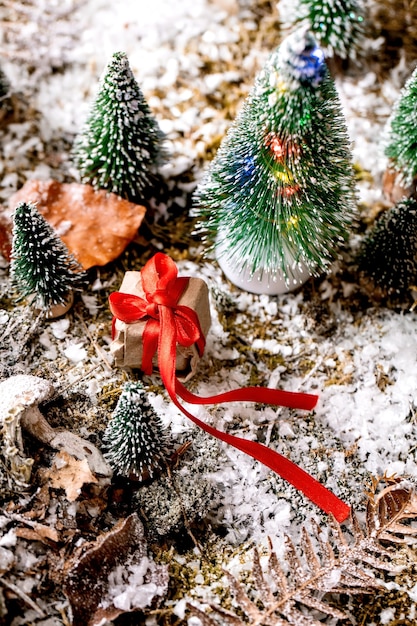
(95, 225)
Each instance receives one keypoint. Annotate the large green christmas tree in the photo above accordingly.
(388, 255)
(120, 147)
(135, 439)
(336, 24)
(401, 140)
(41, 268)
(279, 196)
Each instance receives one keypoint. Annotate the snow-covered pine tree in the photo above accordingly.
(135, 440)
(42, 269)
(337, 24)
(279, 196)
(121, 145)
(401, 133)
(388, 255)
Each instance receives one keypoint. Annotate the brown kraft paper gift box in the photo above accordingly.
(127, 346)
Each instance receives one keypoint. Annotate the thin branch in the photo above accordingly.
(21, 594)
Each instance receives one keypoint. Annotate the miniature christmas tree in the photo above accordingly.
(388, 255)
(120, 146)
(401, 141)
(279, 196)
(336, 24)
(135, 440)
(42, 269)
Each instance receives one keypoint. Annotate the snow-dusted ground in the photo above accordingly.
(364, 367)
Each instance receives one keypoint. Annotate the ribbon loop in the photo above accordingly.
(168, 324)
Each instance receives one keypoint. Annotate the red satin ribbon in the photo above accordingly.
(169, 324)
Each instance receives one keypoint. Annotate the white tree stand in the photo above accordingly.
(262, 281)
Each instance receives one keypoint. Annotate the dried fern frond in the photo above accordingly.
(347, 562)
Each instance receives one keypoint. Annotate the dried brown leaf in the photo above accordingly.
(311, 557)
(70, 474)
(32, 530)
(277, 573)
(105, 570)
(40, 532)
(389, 508)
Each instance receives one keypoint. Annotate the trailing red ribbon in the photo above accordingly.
(169, 324)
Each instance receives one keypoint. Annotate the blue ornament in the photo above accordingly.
(242, 174)
(247, 168)
(311, 66)
(301, 59)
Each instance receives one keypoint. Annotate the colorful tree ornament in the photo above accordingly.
(279, 196)
(388, 255)
(135, 440)
(120, 147)
(338, 25)
(42, 269)
(401, 139)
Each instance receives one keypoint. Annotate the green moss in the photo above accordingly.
(367, 609)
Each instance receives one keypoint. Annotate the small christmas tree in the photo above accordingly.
(120, 146)
(336, 24)
(388, 255)
(279, 196)
(401, 140)
(41, 268)
(135, 440)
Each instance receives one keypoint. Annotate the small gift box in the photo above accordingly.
(127, 345)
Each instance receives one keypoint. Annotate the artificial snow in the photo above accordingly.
(387, 616)
(75, 352)
(128, 586)
(9, 538)
(60, 328)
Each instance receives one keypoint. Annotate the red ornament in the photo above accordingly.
(288, 192)
(281, 148)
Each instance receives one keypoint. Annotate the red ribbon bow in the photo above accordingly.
(169, 324)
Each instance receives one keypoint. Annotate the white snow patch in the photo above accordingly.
(75, 352)
(128, 589)
(90, 302)
(9, 539)
(60, 327)
(387, 615)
